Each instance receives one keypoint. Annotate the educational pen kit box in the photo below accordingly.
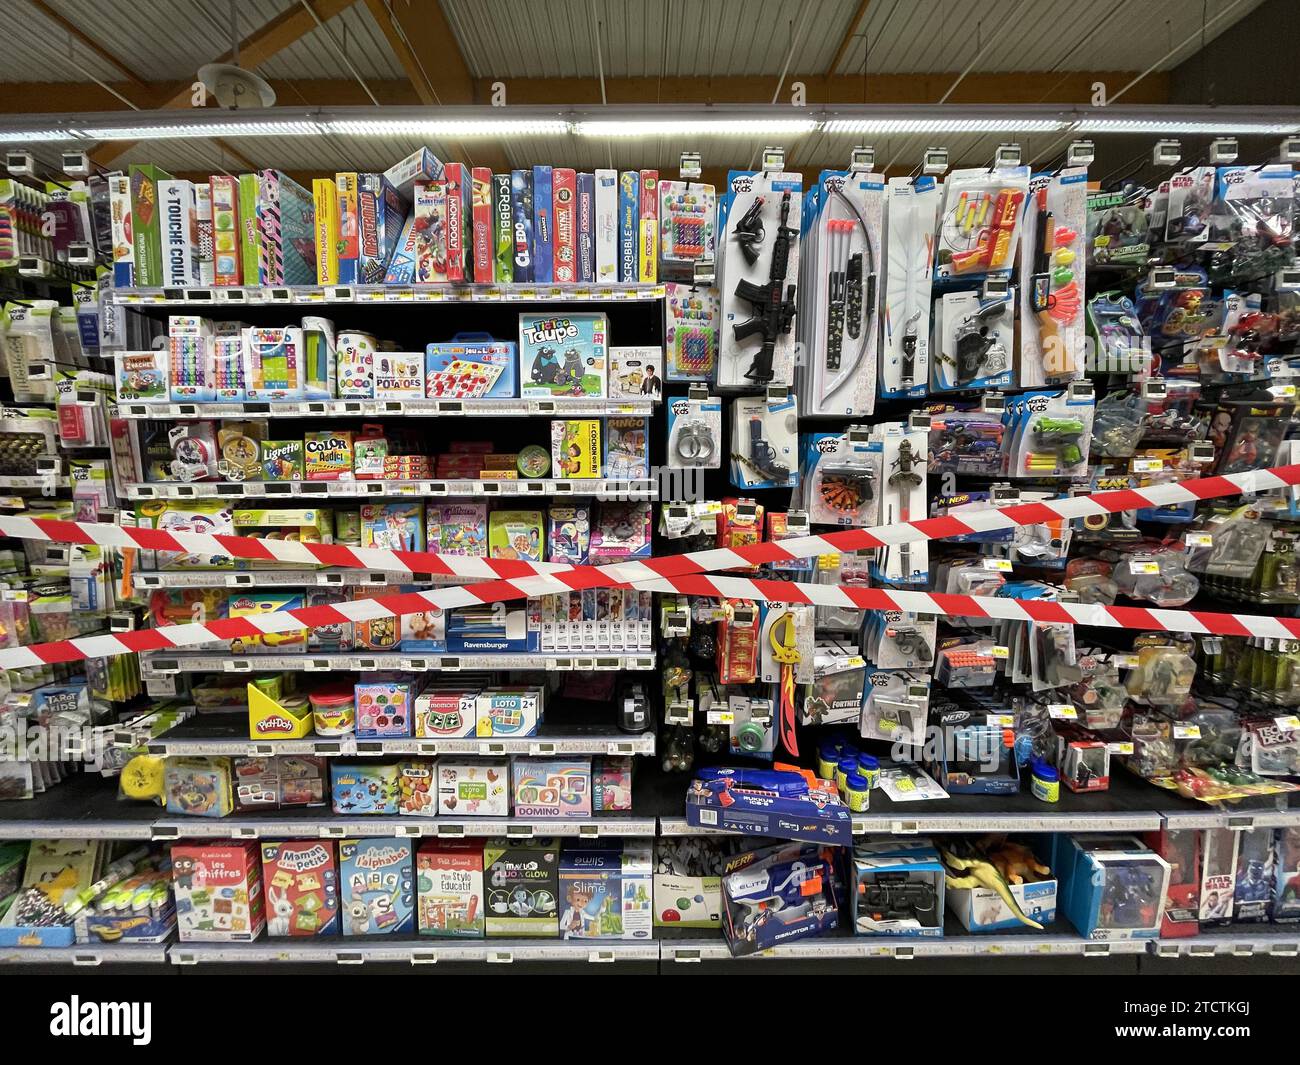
(449, 881)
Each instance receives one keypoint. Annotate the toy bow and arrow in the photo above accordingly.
(852, 296)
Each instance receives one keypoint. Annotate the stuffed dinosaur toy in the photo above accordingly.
(970, 871)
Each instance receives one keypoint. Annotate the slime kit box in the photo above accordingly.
(606, 890)
(563, 355)
(377, 879)
(302, 889)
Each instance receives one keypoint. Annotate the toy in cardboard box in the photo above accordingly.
(364, 788)
(575, 448)
(1218, 876)
(377, 883)
(1253, 893)
(473, 789)
(449, 713)
(198, 787)
(778, 895)
(758, 219)
(302, 891)
(218, 891)
(563, 355)
(449, 882)
(779, 802)
(636, 373)
(627, 448)
(688, 881)
(998, 886)
(56, 873)
(1110, 887)
(898, 889)
(521, 878)
(838, 317)
(605, 890)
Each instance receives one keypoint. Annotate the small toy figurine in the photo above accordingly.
(1128, 901)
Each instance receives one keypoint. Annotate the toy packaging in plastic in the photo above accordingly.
(910, 208)
(759, 219)
(842, 264)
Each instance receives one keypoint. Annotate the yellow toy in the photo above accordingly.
(980, 873)
(286, 720)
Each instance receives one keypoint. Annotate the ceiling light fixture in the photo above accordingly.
(1155, 124)
(742, 127)
(1009, 124)
(273, 128)
(417, 127)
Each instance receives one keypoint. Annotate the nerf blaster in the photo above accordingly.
(721, 779)
(773, 303)
(993, 248)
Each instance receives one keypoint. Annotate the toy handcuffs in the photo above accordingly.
(695, 443)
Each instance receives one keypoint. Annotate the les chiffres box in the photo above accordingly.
(218, 891)
(563, 354)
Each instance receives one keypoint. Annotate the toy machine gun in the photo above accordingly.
(893, 897)
(1062, 436)
(773, 302)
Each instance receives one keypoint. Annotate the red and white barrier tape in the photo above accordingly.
(682, 574)
(171, 637)
(722, 558)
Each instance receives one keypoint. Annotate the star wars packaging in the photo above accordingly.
(903, 497)
(898, 888)
(758, 257)
(764, 442)
(841, 263)
(778, 895)
(835, 691)
(910, 208)
(695, 433)
(840, 481)
(1218, 876)
(635, 373)
(563, 355)
(1191, 199)
(521, 879)
(980, 222)
(974, 337)
(1052, 279)
(691, 329)
(1286, 864)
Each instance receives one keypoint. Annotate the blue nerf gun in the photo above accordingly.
(774, 780)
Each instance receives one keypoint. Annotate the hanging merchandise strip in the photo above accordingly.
(406, 563)
(171, 637)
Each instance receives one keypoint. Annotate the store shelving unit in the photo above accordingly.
(345, 951)
(590, 488)
(157, 663)
(317, 295)
(561, 407)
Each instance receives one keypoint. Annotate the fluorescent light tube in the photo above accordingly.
(943, 125)
(416, 127)
(638, 127)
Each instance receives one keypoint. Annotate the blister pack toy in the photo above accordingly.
(979, 222)
(691, 324)
(909, 251)
(974, 338)
(1052, 279)
(687, 211)
(842, 478)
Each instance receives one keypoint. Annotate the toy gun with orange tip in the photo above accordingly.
(994, 246)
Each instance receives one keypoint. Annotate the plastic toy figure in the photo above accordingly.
(1128, 901)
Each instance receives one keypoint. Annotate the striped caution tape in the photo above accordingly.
(408, 562)
(681, 574)
(171, 637)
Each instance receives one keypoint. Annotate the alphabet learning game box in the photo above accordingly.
(563, 354)
(378, 884)
(302, 888)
